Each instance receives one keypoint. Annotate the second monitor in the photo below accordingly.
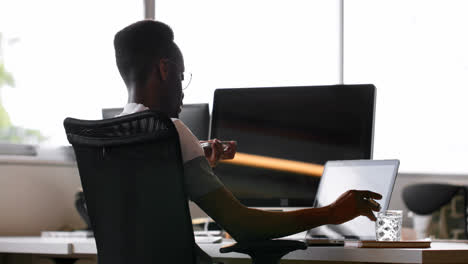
(286, 134)
(195, 116)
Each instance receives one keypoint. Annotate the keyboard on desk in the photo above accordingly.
(208, 239)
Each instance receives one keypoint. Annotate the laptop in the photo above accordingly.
(340, 176)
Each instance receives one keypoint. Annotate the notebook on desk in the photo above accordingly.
(338, 177)
(388, 244)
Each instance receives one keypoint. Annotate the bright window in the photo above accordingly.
(416, 54)
(244, 43)
(61, 56)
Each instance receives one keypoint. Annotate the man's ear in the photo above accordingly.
(164, 69)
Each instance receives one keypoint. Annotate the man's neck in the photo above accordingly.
(146, 97)
(152, 105)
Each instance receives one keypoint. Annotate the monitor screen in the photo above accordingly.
(286, 134)
(195, 116)
(111, 112)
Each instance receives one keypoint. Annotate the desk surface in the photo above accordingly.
(37, 245)
(438, 253)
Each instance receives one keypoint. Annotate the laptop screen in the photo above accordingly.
(340, 176)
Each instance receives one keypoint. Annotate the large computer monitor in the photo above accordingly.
(195, 116)
(286, 134)
(111, 112)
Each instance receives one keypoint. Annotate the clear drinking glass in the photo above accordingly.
(388, 225)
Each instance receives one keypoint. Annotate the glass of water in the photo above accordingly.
(388, 225)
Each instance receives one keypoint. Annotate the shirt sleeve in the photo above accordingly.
(199, 177)
(189, 143)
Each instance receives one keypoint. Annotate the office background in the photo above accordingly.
(61, 57)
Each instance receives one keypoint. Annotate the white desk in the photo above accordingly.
(438, 253)
(36, 245)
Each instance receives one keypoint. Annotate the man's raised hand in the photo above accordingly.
(354, 203)
(216, 150)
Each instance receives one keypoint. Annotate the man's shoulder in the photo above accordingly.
(180, 126)
(189, 143)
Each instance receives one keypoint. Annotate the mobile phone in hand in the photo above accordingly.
(225, 144)
(229, 149)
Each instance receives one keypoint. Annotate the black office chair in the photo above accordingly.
(446, 203)
(80, 206)
(132, 177)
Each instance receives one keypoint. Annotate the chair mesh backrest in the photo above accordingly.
(132, 177)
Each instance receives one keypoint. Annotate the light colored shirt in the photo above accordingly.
(199, 177)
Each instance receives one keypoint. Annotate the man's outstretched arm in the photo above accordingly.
(247, 224)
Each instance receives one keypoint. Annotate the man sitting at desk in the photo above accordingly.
(152, 68)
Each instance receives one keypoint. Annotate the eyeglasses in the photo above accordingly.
(186, 78)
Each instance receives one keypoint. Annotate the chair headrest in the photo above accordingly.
(424, 199)
(128, 129)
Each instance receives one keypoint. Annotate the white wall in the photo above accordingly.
(37, 196)
(40, 195)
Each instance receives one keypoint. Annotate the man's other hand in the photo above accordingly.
(352, 204)
(216, 150)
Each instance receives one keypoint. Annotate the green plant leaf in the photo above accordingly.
(4, 117)
(6, 79)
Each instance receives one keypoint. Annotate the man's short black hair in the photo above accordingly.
(139, 45)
